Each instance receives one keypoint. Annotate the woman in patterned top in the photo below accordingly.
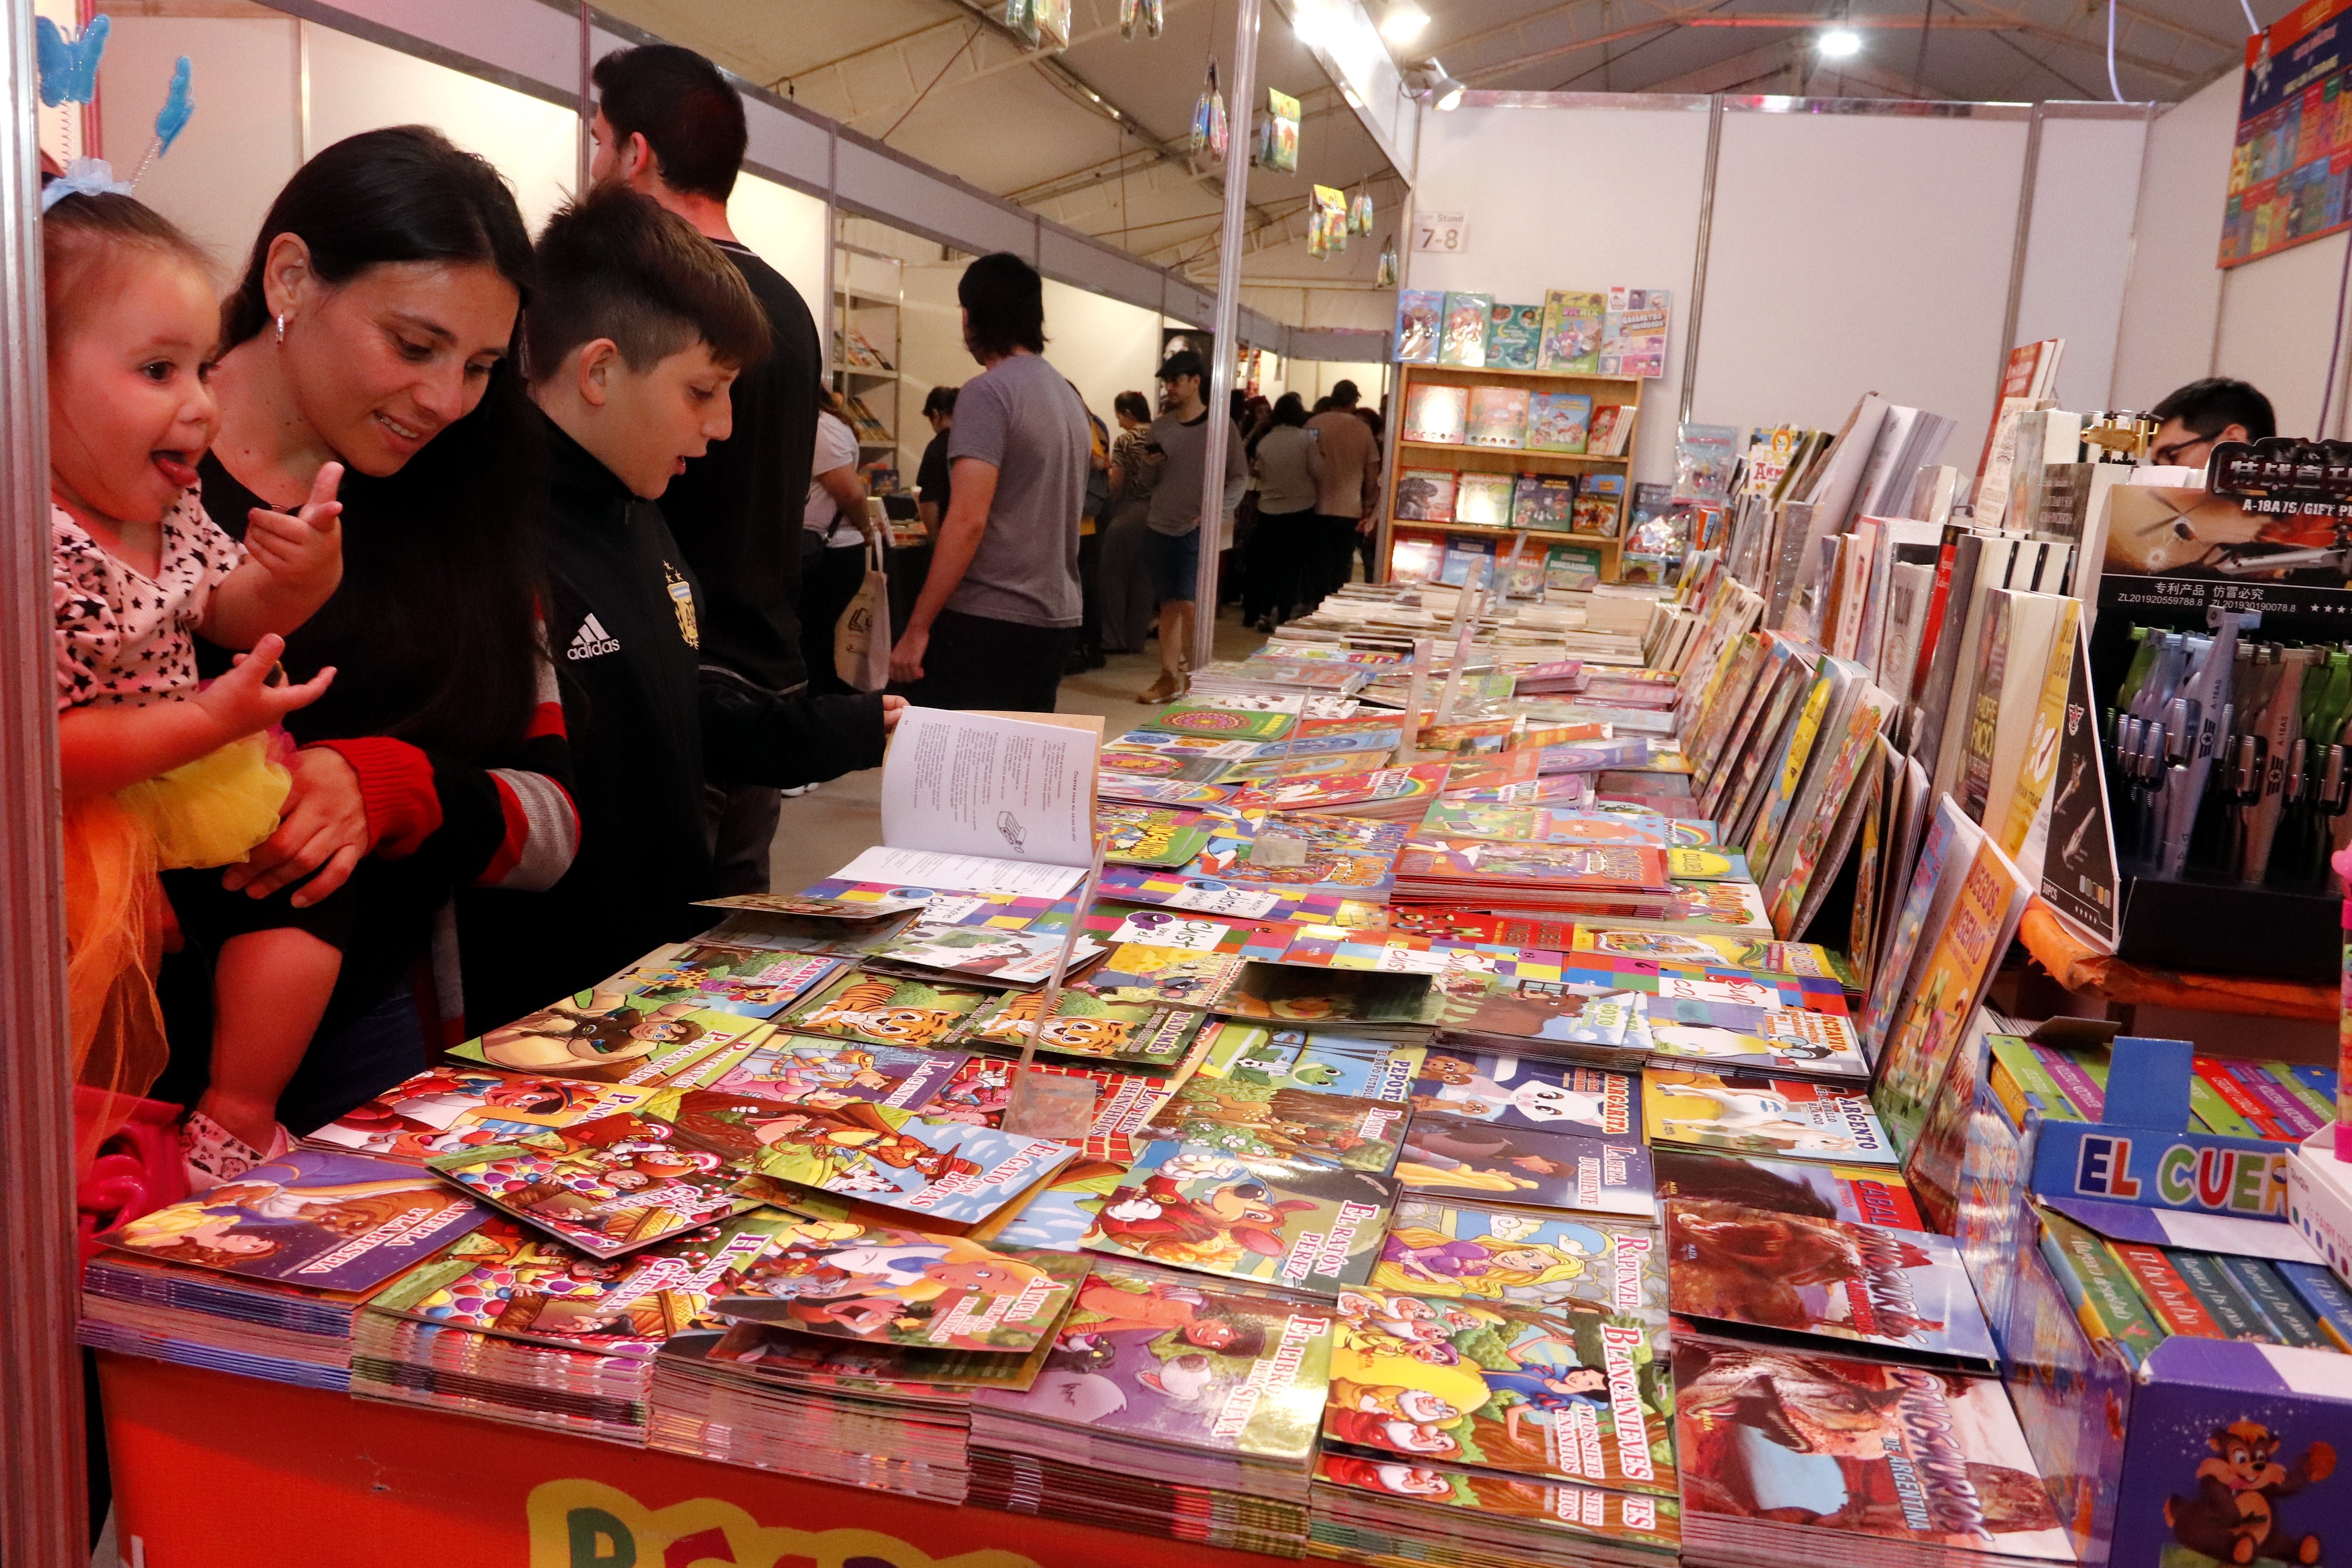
(156, 772)
(373, 328)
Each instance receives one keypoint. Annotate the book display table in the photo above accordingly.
(218, 1471)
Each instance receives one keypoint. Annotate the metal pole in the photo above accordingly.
(43, 1503)
(587, 110)
(1241, 81)
(1698, 263)
(2018, 246)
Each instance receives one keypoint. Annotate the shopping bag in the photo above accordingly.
(861, 638)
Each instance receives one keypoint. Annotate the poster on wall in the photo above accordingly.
(2293, 151)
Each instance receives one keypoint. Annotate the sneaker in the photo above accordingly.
(211, 1153)
(1166, 689)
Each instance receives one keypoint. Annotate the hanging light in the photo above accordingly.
(1403, 22)
(1429, 83)
(1840, 44)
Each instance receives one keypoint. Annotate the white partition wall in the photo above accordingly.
(2079, 252)
(2175, 296)
(787, 227)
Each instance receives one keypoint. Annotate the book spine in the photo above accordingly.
(2101, 1293)
(2166, 1294)
(2240, 1097)
(2261, 1284)
(1983, 731)
(2324, 1296)
(2283, 1075)
(2083, 1091)
(2021, 1082)
(2216, 1114)
(2240, 1319)
(2293, 1118)
(2042, 746)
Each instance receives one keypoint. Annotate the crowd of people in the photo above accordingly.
(431, 631)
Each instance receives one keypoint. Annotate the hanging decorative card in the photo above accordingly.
(1278, 141)
(1386, 275)
(1147, 17)
(1209, 118)
(1328, 221)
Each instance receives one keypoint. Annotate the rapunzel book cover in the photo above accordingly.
(1291, 1223)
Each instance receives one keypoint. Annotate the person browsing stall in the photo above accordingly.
(1179, 447)
(934, 481)
(993, 622)
(638, 331)
(2200, 417)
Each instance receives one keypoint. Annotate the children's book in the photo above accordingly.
(1252, 1121)
(1513, 336)
(1149, 835)
(1298, 1226)
(313, 1218)
(1557, 421)
(1438, 1248)
(619, 1183)
(887, 1285)
(1518, 1091)
(1284, 994)
(1390, 793)
(1469, 563)
(1600, 501)
(448, 1108)
(1747, 1113)
(1540, 825)
(956, 1172)
(1420, 313)
(1347, 856)
(803, 1069)
(1562, 1391)
(1735, 1035)
(1417, 560)
(1163, 767)
(1572, 568)
(1497, 416)
(1633, 331)
(509, 1280)
(1165, 1359)
(606, 1037)
(1425, 495)
(1437, 413)
(1552, 1017)
(1801, 958)
(1901, 1291)
(858, 1369)
(1530, 1167)
(993, 954)
(1223, 723)
(1465, 339)
(1318, 1061)
(1611, 432)
(754, 983)
(1571, 332)
(1155, 974)
(1472, 1505)
(1861, 1195)
(1086, 1025)
(1484, 500)
(883, 1010)
(804, 906)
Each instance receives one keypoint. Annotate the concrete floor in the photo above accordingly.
(824, 829)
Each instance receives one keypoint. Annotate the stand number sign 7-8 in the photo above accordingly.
(1448, 232)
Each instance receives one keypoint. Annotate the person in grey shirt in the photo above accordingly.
(993, 626)
(1179, 446)
(1288, 461)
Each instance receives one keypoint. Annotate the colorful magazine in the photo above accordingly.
(1499, 1255)
(1564, 1391)
(953, 1172)
(1531, 1167)
(1465, 340)
(612, 1185)
(1571, 332)
(805, 1070)
(884, 1011)
(891, 1286)
(1557, 422)
(1498, 418)
(1302, 1226)
(1747, 1113)
(445, 1108)
(1253, 1122)
(1518, 1091)
(1860, 1195)
(754, 983)
(1086, 1025)
(317, 1219)
(606, 1036)
(1149, 975)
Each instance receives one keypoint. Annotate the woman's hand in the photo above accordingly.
(323, 828)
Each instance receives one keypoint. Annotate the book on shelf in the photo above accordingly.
(1420, 313)
(1558, 422)
(1611, 431)
(1514, 332)
(1497, 416)
(1463, 338)
(1571, 332)
(1633, 331)
(1650, 501)
(1425, 495)
(1439, 414)
(1600, 503)
(1572, 567)
(1467, 562)
(1483, 499)
(2028, 377)
(1544, 501)
(1415, 558)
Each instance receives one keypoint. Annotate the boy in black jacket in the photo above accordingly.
(637, 328)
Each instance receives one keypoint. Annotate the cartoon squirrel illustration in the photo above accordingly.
(2231, 1518)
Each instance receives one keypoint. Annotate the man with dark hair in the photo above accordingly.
(934, 482)
(992, 626)
(638, 331)
(2204, 414)
(1345, 496)
(669, 126)
(1179, 448)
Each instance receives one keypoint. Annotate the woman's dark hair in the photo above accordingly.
(434, 632)
(689, 115)
(939, 400)
(1134, 404)
(1005, 300)
(1288, 409)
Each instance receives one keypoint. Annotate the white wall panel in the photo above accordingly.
(2276, 316)
(2078, 254)
(1853, 253)
(1105, 346)
(2174, 299)
(787, 228)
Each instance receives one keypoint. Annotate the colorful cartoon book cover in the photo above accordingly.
(1804, 958)
(603, 1036)
(314, 1219)
(1420, 314)
(1553, 1012)
(1513, 336)
(1225, 723)
(882, 1010)
(1581, 867)
(1168, 1360)
(1086, 1025)
(1755, 1039)
(1600, 503)
(1318, 1061)
(1900, 1291)
(1203, 894)
(1498, 418)
(857, 1368)
(1859, 1194)
(1633, 331)
(805, 1069)
(1518, 1091)
(1390, 791)
(1149, 835)
(1952, 976)
(1148, 974)
(1465, 340)
(1253, 1122)
(1483, 500)
(1539, 824)
(1563, 1391)
(1855, 1448)
(1056, 1217)
(619, 1183)
(885, 1285)
(755, 983)
(1626, 1519)
(509, 1280)
(1557, 421)
(1531, 1167)
(1425, 495)
(805, 906)
(1571, 332)
(993, 955)
(1747, 1113)
(448, 1108)
(1172, 767)
(1437, 415)
(1438, 1248)
(953, 1172)
(1295, 995)
(1302, 1226)
(1158, 792)
(1544, 501)
(1347, 857)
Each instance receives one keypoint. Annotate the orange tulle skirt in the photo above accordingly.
(210, 812)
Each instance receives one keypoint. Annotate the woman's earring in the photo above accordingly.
(281, 329)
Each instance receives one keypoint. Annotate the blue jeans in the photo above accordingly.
(356, 1063)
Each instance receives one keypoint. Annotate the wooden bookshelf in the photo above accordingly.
(1622, 390)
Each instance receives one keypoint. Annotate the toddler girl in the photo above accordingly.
(157, 772)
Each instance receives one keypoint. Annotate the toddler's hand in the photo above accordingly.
(303, 553)
(244, 702)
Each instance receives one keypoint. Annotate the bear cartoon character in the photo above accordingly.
(2232, 1518)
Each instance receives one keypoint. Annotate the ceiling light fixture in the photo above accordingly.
(1403, 22)
(1840, 44)
(1428, 82)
